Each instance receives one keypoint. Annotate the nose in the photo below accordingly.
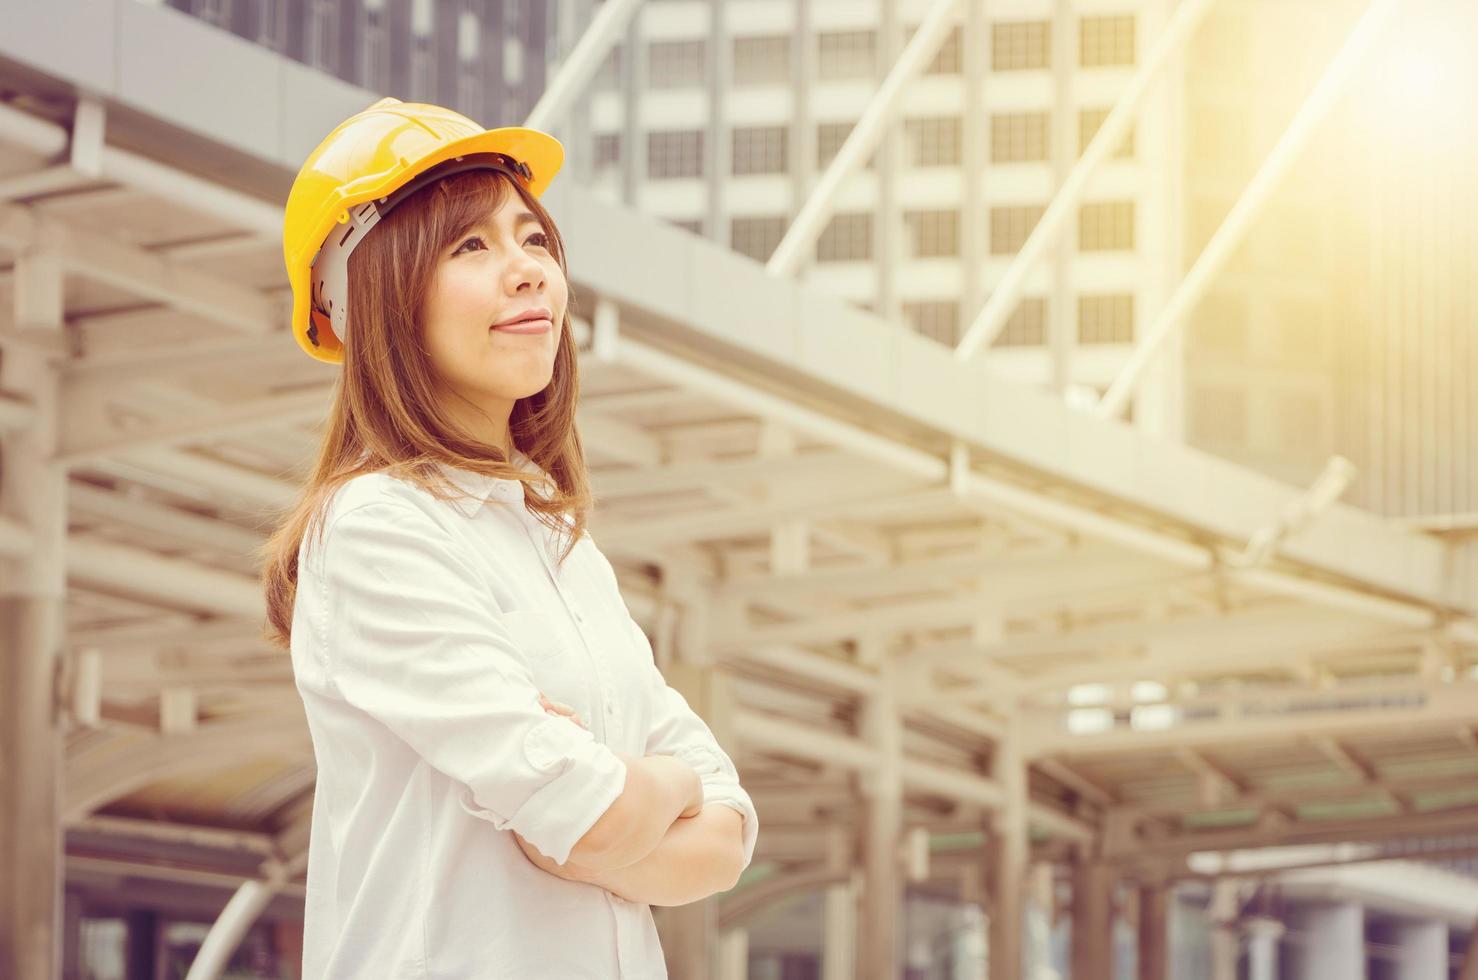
(523, 269)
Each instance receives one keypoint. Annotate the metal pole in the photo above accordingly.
(1258, 191)
(1003, 299)
(235, 919)
(1262, 948)
(817, 210)
(582, 64)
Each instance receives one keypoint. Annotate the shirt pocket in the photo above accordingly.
(554, 658)
(533, 633)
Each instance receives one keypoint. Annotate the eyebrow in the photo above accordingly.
(519, 220)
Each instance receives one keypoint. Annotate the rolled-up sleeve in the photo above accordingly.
(677, 730)
(415, 642)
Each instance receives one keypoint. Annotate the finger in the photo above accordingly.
(561, 710)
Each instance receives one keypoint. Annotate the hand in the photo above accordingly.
(694, 807)
(570, 871)
(560, 710)
(694, 784)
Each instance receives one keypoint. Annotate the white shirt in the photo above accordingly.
(423, 632)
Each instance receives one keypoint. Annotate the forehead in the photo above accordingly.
(513, 211)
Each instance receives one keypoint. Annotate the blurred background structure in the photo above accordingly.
(1037, 435)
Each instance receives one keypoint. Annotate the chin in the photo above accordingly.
(525, 387)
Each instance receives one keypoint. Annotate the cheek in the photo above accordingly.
(555, 286)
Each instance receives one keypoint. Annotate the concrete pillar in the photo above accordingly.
(1470, 959)
(1223, 916)
(1041, 904)
(733, 955)
(882, 807)
(1333, 941)
(718, 140)
(1093, 922)
(1008, 852)
(690, 932)
(975, 52)
(32, 593)
(72, 908)
(1160, 146)
(1469, 970)
(1262, 948)
(839, 912)
(1154, 931)
(288, 937)
(887, 214)
(1062, 308)
(1421, 951)
(803, 116)
(633, 127)
(143, 943)
(689, 937)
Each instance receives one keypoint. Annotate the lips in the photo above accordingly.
(537, 315)
(539, 325)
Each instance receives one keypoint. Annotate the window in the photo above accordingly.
(1020, 46)
(760, 150)
(607, 151)
(847, 238)
(947, 59)
(1009, 227)
(675, 154)
(936, 319)
(933, 234)
(829, 140)
(1106, 41)
(1019, 137)
(761, 60)
(675, 64)
(1107, 226)
(1027, 326)
(757, 237)
(1106, 319)
(933, 142)
(846, 54)
(1090, 121)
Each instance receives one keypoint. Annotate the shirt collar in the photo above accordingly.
(479, 487)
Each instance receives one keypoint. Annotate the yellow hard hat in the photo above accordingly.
(367, 165)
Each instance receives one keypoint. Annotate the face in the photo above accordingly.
(501, 269)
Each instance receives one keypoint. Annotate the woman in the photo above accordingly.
(505, 782)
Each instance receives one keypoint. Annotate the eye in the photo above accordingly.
(539, 238)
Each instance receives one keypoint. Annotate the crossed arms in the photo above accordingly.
(698, 856)
(700, 852)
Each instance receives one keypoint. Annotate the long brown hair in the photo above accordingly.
(385, 413)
